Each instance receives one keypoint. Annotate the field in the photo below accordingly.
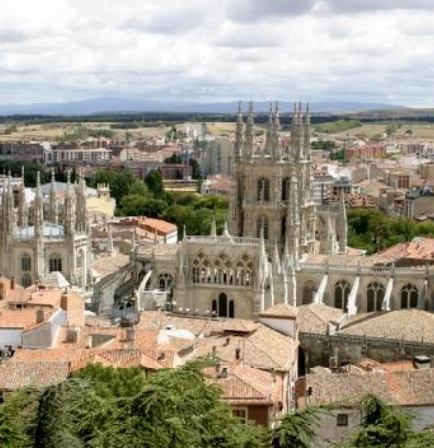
(369, 130)
(55, 131)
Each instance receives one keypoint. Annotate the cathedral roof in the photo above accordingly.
(402, 325)
(315, 318)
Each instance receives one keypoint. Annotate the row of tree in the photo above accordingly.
(149, 198)
(105, 407)
(371, 230)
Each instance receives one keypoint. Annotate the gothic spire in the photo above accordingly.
(268, 150)
(276, 128)
(53, 200)
(343, 226)
(213, 227)
(277, 267)
(22, 203)
(69, 208)
(239, 134)
(38, 208)
(81, 218)
(294, 216)
(248, 136)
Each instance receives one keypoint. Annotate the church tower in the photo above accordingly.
(272, 188)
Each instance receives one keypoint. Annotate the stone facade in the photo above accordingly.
(278, 246)
(44, 237)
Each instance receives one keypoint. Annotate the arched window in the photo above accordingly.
(55, 263)
(26, 263)
(285, 188)
(165, 282)
(231, 309)
(263, 189)
(375, 296)
(309, 291)
(262, 223)
(26, 280)
(223, 305)
(409, 296)
(342, 291)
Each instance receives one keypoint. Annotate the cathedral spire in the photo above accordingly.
(277, 267)
(54, 212)
(81, 218)
(306, 133)
(248, 136)
(69, 208)
(239, 134)
(22, 203)
(213, 228)
(276, 128)
(342, 226)
(294, 216)
(38, 208)
(268, 150)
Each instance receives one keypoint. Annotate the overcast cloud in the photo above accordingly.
(217, 50)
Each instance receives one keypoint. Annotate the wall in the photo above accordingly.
(285, 325)
(10, 336)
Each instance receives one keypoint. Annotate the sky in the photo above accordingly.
(218, 50)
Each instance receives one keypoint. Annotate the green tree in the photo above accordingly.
(382, 426)
(297, 429)
(174, 159)
(154, 182)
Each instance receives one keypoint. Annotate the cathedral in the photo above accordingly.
(46, 236)
(277, 245)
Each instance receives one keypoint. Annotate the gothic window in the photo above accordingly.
(309, 291)
(285, 188)
(283, 227)
(263, 189)
(165, 281)
(231, 309)
(26, 263)
(223, 305)
(262, 223)
(409, 296)
(26, 280)
(342, 291)
(55, 263)
(375, 296)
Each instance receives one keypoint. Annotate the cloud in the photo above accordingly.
(217, 50)
(259, 10)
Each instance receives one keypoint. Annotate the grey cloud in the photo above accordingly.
(355, 6)
(258, 10)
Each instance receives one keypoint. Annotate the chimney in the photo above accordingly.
(131, 335)
(224, 373)
(40, 315)
(12, 283)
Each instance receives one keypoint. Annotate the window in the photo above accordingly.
(165, 282)
(342, 420)
(26, 280)
(55, 263)
(409, 296)
(375, 296)
(241, 414)
(262, 223)
(26, 263)
(309, 291)
(263, 189)
(285, 188)
(342, 291)
(223, 305)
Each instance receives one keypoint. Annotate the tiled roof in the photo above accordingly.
(406, 324)
(22, 318)
(315, 318)
(15, 374)
(420, 248)
(405, 388)
(108, 265)
(247, 386)
(281, 310)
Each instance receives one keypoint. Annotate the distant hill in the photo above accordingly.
(113, 104)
